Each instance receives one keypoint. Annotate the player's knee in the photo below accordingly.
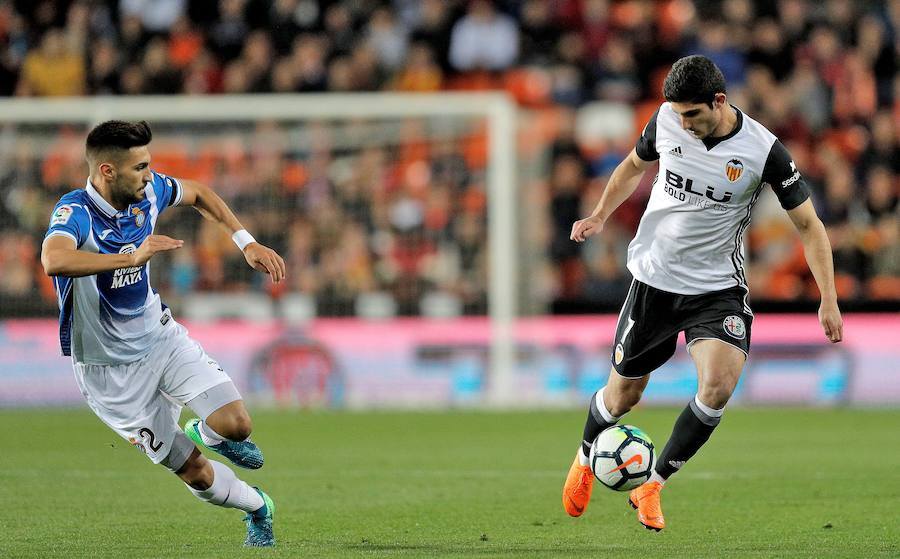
(239, 427)
(622, 402)
(715, 395)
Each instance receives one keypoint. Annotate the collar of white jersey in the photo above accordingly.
(99, 201)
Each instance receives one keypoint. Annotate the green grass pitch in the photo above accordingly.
(770, 483)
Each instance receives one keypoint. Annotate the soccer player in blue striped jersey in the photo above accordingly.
(135, 365)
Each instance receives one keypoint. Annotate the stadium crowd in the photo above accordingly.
(409, 217)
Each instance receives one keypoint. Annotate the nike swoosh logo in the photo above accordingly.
(574, 506)
(103, 234)
(636, 458)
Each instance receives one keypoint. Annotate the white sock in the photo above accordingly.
(706, 409)
(209, 437)
(582, 459)
(228, 491)
(656, 477)
(601, 406)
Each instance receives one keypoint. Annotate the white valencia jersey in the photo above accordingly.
(690, 239)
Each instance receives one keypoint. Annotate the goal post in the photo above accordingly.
(497, 109)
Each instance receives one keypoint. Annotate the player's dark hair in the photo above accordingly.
(118, 134)
(693, 79)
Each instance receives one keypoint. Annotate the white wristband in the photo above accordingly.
(242, 238)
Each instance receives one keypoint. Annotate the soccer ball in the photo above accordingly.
(622, 457)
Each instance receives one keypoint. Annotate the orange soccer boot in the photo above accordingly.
(646, 500)
(577, 490)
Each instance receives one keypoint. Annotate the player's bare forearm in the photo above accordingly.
(61, 257)
(74, 263)
(209, 204)
(817, 250)
(622, 184)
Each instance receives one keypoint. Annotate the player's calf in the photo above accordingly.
(215, 483)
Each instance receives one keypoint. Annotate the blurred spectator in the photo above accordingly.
(484, 39)
(287, 19)
(52, 70)
(229, 31)
(103, 75)
(434, 27)
(539, 33)
(616, 74)
(714, 42)
(387, 38)
(883, 146)
(339, 28)
(567, 181)
(159, 77)
(420, 73)
(595, 27)
(157, 16)
(770, 49)
(876, 52)
(185, 43)
(308, 61)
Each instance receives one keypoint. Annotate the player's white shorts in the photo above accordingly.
(142, 401)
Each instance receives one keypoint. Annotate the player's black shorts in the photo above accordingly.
(652, 318)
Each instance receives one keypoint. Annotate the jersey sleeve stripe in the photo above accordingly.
(59, 233)
(176, 193)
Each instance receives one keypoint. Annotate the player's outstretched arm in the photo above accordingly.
(211, 206)
(622, 184)
(61, 257)
(817, 250)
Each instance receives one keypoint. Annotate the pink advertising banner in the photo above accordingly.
(428, 363)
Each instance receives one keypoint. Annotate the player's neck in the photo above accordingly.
(727, 124)
(101, 188)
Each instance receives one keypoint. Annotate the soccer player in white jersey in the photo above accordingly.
(687, 262)
(135, 365)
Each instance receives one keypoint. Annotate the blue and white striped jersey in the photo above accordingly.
(112, 317)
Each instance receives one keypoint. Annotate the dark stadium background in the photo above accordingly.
(820, 75)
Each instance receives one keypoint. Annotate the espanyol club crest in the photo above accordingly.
(734, 169)
(734, 327)
(138, 216)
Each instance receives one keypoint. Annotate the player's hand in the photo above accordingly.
(152, 245)
(264, 259)
(584, 228)
(830, 318)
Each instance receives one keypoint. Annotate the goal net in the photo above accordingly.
(383, 205)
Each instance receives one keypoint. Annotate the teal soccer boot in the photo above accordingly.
(241, 453)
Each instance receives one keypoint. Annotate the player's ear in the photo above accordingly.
(108, 170)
